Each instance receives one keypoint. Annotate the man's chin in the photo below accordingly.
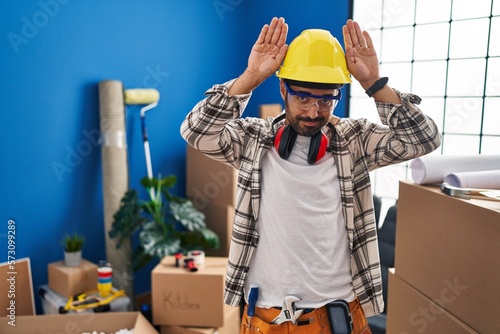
(308, 131)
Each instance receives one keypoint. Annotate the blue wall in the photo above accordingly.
(53, 55)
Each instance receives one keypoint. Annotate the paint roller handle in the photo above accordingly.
(144, 128)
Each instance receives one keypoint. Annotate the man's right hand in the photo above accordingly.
(265, 58)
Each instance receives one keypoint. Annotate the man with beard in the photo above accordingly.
(304, 221)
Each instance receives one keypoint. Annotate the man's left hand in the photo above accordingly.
(360, 54)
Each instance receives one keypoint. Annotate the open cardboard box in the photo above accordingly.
(78, 323)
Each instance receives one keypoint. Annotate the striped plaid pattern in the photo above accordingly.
(215, 127)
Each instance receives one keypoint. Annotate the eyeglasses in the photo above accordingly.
(305, 101)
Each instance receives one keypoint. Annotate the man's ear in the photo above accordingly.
(282, 89)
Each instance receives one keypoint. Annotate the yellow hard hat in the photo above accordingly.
(315, 56)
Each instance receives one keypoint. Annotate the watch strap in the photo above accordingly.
(378, 85)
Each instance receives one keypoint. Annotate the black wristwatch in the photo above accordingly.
(378, 85)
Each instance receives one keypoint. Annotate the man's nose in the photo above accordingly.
(313, 110)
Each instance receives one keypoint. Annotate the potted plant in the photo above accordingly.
(72, 245)
(166, 224)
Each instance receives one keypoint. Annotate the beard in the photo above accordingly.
(300, 128)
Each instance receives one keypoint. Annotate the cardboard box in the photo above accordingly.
(219, 218)
(448, 249)
(208, 180)
(232, 322)
(185, 298)
(78, 323)
(69, 281)
(17, 293)
(270, 110)
(409, 311)
(52, 302)
(187, 330)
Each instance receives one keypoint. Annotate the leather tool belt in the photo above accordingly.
(313, 321)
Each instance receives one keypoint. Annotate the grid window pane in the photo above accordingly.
(431, 41)
(464, 9)
(434, 107)
(495, 36)
(399, 75)
(397, 44)
(387, 180)
(493, 78)
(429, 78)
(463, 115)
(364, 107)
(432, 11)
(466, 77)
(490, 145)
(491, 123)
(368, 13)
(496, 8)
(449, 56)
(398, 13)
(460, 145)
(356, 90)
(461, 45)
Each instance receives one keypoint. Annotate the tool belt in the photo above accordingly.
(313, 321)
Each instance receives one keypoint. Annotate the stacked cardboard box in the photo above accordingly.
(270, 110)
(182, 299)
(231, 325)
(446, 264)
(69, 281)
(211, 185)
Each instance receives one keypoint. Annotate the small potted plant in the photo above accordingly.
(72, 245)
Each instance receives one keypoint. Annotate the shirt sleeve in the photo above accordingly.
(406, 133)
(207, 126)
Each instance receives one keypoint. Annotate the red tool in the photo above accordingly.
(190, 264)
(178, 258)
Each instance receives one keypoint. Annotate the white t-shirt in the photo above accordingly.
(303, 247)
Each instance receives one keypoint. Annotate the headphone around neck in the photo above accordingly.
(285, 139)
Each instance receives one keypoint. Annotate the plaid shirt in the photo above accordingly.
(215, 127)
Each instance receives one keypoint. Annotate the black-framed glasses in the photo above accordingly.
(305, 101)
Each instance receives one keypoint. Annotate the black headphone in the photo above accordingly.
(285, 139)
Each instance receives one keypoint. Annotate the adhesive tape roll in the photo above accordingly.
(198, 256)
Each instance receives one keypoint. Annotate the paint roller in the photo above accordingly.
(148, 97)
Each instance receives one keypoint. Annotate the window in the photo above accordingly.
(448, 53)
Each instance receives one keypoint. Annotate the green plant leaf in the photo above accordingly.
(167, 182)
(72, 243)
(127, 219)
(140, 258)
(210, 238)
(188, 215)
(156, 242)
(166, 223)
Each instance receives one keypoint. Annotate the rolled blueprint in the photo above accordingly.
(115, 176)
(434, 168)
(486, 179)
